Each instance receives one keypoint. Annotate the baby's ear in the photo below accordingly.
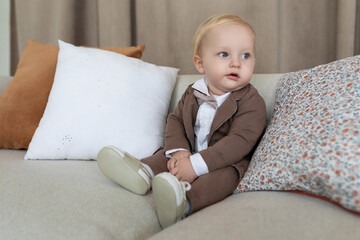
(199, 64)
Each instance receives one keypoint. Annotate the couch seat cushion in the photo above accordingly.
(68, 200)
(267, 215)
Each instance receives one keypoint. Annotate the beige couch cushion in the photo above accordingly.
(267, 215)
(68, 200)
(74, 200)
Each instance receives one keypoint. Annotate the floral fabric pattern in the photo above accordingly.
(312, 143)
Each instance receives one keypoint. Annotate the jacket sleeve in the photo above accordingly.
(246, 128)
(175, 134)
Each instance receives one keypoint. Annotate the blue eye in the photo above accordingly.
(245, 56)
(223, 54)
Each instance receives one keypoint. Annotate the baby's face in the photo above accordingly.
(227, 58)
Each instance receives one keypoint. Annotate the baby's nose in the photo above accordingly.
(235, 63)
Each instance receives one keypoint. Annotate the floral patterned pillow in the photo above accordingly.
(312, 143)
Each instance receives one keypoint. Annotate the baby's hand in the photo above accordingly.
(181, 154)
(175, 157)
(184, 171)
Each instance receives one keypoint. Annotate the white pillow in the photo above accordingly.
(103, 98)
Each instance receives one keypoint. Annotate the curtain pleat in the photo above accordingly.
(80, 22)
(114, 23)
(307, 33)
(357, 28)
(290, 35)
(346, 20)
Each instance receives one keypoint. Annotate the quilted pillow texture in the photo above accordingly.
(23, 102)
(101, 98)
(312, 143)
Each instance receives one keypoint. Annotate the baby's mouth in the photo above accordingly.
(233, 75)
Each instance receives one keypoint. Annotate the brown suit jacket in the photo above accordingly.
(238, 124)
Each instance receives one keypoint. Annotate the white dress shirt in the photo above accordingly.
(204, 119)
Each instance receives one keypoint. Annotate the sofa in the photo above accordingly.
(72, 199)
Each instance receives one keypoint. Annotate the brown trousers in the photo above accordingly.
(207, 189)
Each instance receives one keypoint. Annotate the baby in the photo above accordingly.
(211, 133)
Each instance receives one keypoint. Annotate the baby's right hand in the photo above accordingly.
(175, 157)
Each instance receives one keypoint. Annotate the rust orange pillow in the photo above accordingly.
(23, 102)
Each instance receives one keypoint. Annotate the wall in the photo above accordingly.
(5, 37)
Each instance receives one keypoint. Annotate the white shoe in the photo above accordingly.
(124, 169)
(170, 198)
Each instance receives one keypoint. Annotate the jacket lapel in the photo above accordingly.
(190, 118)
(227, 109)
(224, 113)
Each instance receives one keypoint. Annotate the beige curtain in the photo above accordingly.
(291, 35)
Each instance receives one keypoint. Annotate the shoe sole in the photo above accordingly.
(114, 164)
(165, 200)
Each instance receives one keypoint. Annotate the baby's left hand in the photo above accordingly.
(184, 171)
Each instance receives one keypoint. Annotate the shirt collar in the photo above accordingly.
(202, 86)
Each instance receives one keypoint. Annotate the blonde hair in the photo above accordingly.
(213, 22)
